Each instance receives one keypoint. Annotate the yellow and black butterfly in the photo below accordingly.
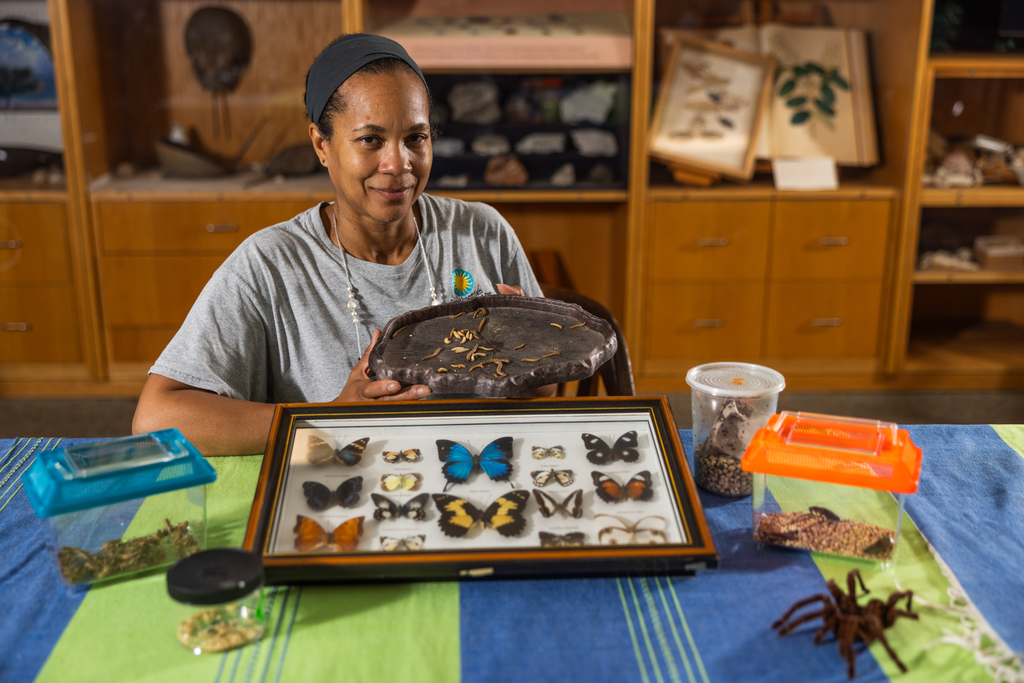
(572, 505)
(320, 452)
(391, 544)
(600, 453)
(611, 491)
(393, 482)
(411, 455)
(544, 477)
(504, 515)
(320, 497)
(573, 539)
(414, 508)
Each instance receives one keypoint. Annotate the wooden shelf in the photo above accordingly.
(969, 65)
(991, 195)
(986, 347)
(527, 195)
(765, 190)
(981, 277)
(24, 190)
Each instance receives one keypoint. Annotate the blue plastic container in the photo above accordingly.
(122, 506)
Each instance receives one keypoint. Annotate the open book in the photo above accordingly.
(821, 103)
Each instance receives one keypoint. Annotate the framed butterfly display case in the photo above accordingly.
(462, 489)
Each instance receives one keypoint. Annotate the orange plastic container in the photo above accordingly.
(831, 484)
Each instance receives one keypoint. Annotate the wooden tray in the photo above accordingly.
(543, 341)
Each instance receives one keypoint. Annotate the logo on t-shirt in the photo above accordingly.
(462, 283)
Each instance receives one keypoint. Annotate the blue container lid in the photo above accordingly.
(107, 472)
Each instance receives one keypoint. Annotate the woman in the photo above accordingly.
(285, 318)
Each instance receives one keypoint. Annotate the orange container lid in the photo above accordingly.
(836, 450)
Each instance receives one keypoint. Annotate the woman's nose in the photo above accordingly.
(397, 159)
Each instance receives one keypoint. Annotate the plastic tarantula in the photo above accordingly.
(849, 621)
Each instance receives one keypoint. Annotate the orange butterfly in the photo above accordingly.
(311, 536)
(611, 491)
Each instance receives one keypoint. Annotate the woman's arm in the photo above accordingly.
(219, 425)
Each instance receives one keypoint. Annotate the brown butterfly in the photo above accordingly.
(321, 453)
(310, 536)
(611, 491)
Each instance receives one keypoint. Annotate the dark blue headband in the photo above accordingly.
(342, 58)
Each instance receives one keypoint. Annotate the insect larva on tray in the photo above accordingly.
(395, 333)
(519, 347)
(555, 325)
(575, 326)
(433, 354)
(556, 353)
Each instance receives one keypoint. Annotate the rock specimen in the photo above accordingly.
(565, 176)
(588, 104)
(475, 102)
(594, 142)
(491, 145)
(541, 143)
(449, 147)
(506, 171)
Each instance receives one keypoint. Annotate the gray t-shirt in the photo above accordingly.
(273, 324)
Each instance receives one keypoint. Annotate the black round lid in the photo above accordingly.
(216, 576)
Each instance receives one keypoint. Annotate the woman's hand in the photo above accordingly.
(360, 387)
(511, 290)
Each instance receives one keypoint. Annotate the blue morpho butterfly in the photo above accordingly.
(459, 463)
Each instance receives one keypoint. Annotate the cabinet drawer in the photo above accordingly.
(39, 325)
(185, 226)
(823, 320)
(34, 244)
(833, 240)
(709, 240)
(153, 290)
(139, 345)
(703, 320)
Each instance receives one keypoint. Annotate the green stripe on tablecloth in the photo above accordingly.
(913, 567)
(126, 630)
(1013, 435)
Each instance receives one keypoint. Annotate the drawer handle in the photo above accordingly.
(826, 322)
(712, 241)
(833, 241)
(15, 327)
(10, 244)
(221, 227)
(708, 322)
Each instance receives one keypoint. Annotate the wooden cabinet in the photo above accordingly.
(155, 259)
(783, 282)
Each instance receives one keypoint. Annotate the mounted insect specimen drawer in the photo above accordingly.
(709, 240)
(483, 489)
(831, 320)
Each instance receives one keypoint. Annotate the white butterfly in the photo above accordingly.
(645, 531)
(389, 543)
(539, 452)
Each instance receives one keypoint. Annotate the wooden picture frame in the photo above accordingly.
(709, 109)
(657, 520)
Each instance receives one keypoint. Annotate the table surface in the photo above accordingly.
(960, 551)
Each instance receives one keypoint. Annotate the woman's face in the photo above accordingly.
(380, 154)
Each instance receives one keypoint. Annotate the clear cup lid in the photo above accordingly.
(735, 380)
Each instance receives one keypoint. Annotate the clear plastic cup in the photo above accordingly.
(730, 401)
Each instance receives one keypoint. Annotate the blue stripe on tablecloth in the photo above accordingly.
(663, 630)
(970, 507)
(37, 606)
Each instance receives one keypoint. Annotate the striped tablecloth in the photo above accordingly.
(961, 552)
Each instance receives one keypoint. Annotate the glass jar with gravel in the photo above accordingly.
(228, 584)
(730, 402)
